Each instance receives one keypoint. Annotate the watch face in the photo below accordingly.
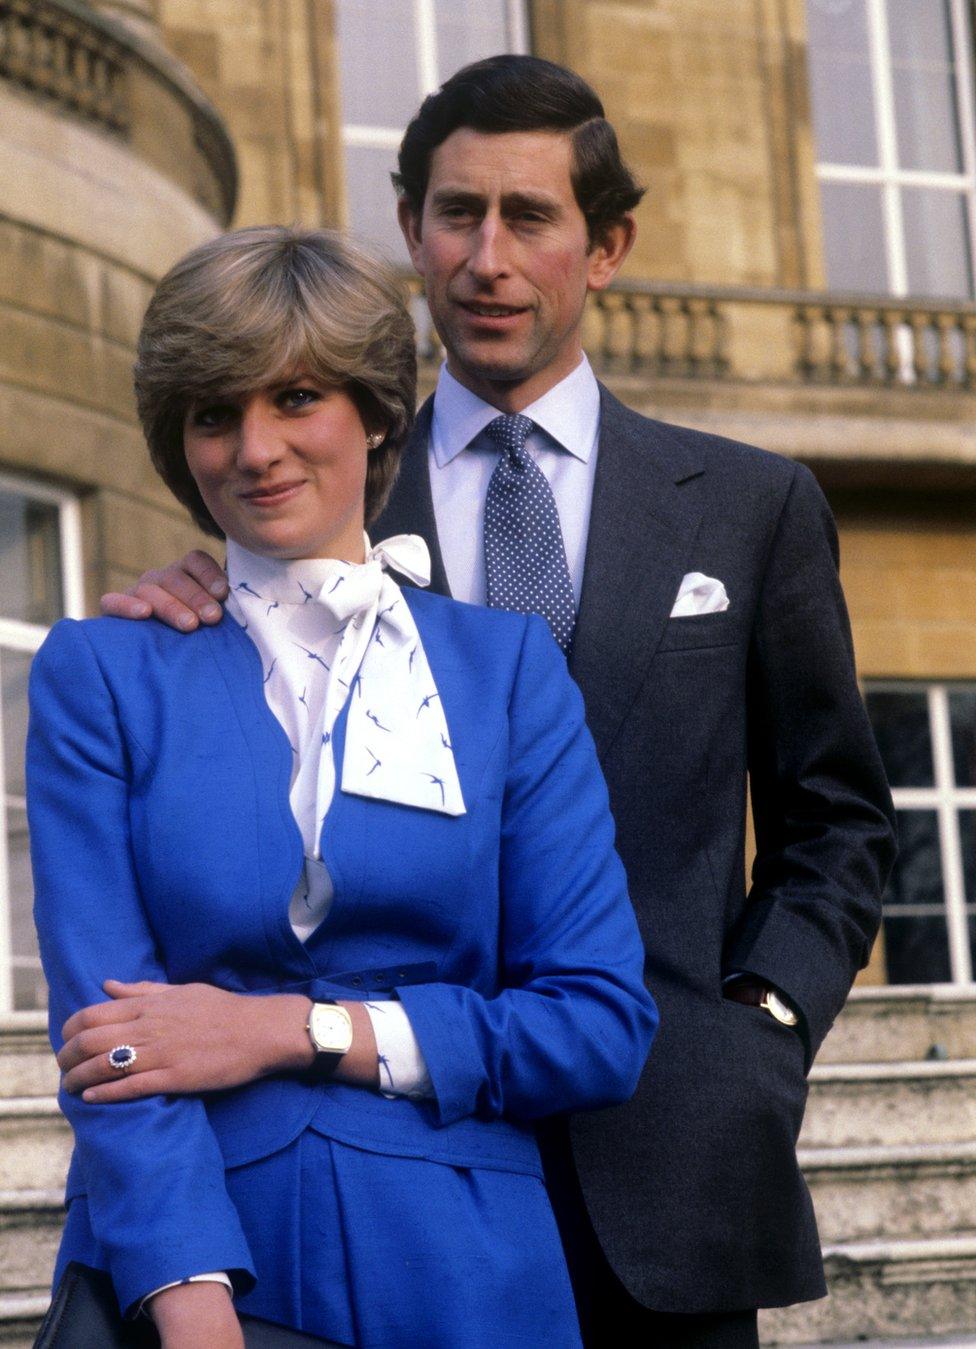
(330, 1028)
(780, 1009)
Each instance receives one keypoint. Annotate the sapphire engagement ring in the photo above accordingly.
(121, 1058)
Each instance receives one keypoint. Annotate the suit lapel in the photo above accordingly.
(643, 524)
(410, 509)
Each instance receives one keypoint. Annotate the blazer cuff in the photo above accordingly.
(178, 1283)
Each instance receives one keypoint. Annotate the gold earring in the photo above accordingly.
(375, 440)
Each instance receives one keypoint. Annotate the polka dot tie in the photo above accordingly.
(525, 561)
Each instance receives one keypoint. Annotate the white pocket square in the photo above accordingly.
(699, 594)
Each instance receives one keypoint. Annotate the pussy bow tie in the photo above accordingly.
(397, 745)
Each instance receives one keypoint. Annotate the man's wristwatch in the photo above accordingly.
(761, 995)
(329, 1028)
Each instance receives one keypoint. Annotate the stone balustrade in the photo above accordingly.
(52, 51)
(98, 69)
(660, 330)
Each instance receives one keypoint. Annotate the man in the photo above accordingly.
(710, 641)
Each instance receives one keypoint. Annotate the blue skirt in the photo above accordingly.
(387, 1252)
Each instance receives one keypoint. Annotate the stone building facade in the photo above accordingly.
(134, 128)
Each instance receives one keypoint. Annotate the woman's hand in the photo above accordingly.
(188, 1038)
(192, 1038)
(196, 1316)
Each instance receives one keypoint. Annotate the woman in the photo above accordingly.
(354, 839)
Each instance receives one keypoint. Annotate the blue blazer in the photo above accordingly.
(164, 848)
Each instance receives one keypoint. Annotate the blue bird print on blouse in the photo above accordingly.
(426, 702)
(243, 585)
(338, 582)
(271, 668)
(436, 782)
(302, 699)
(326, 737)
(376, 762)
(273, 605)
(377, 638)
(307, 593)
(410, 661)
(446, 743)
(312, 655)
(381, 1061)
(383, 612)
(376, 721)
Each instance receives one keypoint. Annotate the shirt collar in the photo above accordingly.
(569, 413)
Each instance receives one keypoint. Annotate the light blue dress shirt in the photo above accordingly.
(463, 458)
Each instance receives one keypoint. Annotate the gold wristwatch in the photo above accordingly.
(329, 1028)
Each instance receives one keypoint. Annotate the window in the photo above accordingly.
(391, 55)
(40, 564)
(927, 738)
(892, 92)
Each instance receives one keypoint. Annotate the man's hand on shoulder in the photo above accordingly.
(182, 595)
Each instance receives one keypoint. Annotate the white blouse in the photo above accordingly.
(324, 627)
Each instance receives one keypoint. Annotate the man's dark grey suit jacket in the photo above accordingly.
(693, 1187)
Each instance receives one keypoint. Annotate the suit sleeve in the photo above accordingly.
(153, 1170)
(572, 1024)
(821, 805)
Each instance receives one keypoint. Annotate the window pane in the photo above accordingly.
(937, 242)
(854, 237)
(915, 934)
(901, 727)
(29, 560)
(372, 201)
(967, 841)
(917, 875)
(840, 82)
(962, 717)
(14, 669)
(924, 83)
(377, 62)
(916, 950)
(468, 30)
(29, 989)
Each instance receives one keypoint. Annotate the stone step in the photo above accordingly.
(903, 1023)
(27, 1063)
(35, 1144)
(20, 1317)
(916, 1190)
(890, 1104)
(878, 1289)
(30, 1228)
(912, 1342)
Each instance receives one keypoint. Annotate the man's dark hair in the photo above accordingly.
(524, 93)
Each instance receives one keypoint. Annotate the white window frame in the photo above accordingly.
(888, 174)
(18, 636)
(356, 135)
(946, 800)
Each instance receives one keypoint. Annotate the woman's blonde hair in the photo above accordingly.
(256, 306)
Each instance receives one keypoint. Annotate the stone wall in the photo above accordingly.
(99, 194)
(710, 102)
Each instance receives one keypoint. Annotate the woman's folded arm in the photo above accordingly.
(572, 1024)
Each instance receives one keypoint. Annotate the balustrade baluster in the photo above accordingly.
(919, 324)
(867, 361)
(837, 317)
(948, 361)
(891, 320)
(969, 350)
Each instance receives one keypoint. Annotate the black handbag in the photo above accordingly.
(84, 1314)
